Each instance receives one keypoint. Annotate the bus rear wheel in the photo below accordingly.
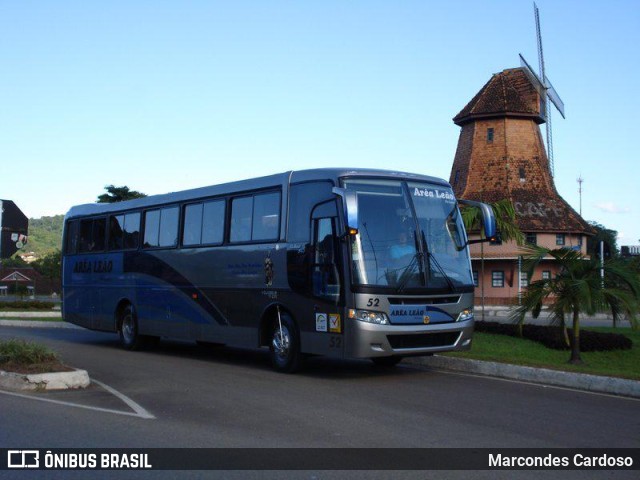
(130, 338)
(284, 345)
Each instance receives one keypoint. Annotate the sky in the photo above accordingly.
(164, 96)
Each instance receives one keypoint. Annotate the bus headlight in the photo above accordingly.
(378, 318)
(465, 315)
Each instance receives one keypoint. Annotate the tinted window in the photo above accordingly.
(213, 222)
(72, 237)
(151, 228)
(161, 227)
(99, 233)
(204, 223)
(241, 212)
(116, 232)
(303, 198)
(192, 225)
(266, 216)
(169, 227)
(131, 230)
(92, 235)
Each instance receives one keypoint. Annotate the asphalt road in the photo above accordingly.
(231, 398)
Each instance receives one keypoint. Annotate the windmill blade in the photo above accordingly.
(539, 37)
(554, 97)
(537, 83)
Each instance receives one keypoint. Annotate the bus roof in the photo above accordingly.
(280, 179)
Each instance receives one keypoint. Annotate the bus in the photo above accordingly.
(344, 263)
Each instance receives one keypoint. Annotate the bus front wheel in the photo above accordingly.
(284, 345)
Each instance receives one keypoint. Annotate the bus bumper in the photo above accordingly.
(371, 340)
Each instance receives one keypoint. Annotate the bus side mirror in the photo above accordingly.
(488, 220)
(350, 204)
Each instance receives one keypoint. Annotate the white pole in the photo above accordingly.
(601, 263)
(519, 279)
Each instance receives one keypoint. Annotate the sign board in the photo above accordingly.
(14, 226)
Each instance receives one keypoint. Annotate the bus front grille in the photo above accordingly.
(423, 340)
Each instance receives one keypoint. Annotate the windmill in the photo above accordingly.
(547, 93)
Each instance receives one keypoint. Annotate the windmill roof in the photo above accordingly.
(509, 92)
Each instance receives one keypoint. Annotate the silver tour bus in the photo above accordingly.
(336, 262)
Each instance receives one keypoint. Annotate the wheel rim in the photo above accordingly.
(281, 342)
(128, 328)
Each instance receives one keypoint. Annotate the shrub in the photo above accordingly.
(25, 353)
(27, 305)
(553, 337)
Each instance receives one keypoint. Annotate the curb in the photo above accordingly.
(36, 324)
(543, 376)
(30, 314)
(44, 381)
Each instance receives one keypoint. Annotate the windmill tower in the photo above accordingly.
(546, 91)
(501, 155)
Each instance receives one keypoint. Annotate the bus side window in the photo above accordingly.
(92, 235)
(116, 232)
(131, 230)
(325, 275)
(72, 237)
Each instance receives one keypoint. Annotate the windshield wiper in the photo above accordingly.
(417, 259)
(407, 272)
(431, 256)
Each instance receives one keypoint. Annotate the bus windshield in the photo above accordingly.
(410, 235)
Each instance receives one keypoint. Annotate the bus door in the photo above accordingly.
(326, 281)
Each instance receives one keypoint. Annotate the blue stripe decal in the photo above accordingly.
(143, 263)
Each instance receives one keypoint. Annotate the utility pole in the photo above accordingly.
(580, 180)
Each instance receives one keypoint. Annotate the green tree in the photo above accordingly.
(13, 262)
(579, 289)
(606, 235)
(50, 266)
(118, 194)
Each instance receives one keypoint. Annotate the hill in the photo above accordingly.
(45, 235)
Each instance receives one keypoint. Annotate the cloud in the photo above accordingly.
(611, 207)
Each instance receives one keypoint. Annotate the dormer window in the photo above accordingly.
(523, 174)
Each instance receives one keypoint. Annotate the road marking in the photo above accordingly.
(524, 382)
(138, 411)
(141, 412)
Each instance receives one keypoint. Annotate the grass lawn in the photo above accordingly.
(505, 349)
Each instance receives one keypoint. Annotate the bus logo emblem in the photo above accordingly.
(268, 270)
(426, 319)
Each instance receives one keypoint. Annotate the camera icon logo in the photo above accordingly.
(23, 459)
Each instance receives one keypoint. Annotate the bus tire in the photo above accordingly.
(130, 338)
(387, 362)
(284, 345)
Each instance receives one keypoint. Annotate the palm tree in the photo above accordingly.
(506, 224)
(505, 220)
(579, 288)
